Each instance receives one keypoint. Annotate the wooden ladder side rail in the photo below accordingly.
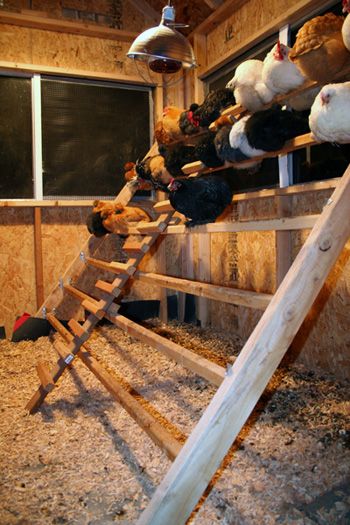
(235, 399)
(210, 291)
(91, 245)
(201, 366)
(291, 145)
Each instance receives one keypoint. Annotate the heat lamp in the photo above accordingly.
(163, 48)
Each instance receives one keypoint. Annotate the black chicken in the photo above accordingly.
(205, 151)
(95, 225)
(269, 129)
(176, 156)
(200, 199)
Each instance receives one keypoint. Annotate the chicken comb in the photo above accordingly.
(279, 54)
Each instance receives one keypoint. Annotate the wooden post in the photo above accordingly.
(204, 275)
(229, 409)
(38, 255)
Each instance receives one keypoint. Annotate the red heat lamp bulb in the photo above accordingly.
(165, 65)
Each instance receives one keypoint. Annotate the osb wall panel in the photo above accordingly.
(33, 46)
(244, 22)
(17, 274)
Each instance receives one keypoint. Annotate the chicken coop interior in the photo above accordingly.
(175, 262)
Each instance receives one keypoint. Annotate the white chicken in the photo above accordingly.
(238, 140)
(346, 26)
(279, 73)
(329, 117)
(248, 87)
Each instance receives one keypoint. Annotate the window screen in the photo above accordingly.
(89, 132)
(15, 138)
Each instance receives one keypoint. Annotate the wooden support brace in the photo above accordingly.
(244, 383)
(201, 366)
(147, 422)
(63, 352)
(45, 377)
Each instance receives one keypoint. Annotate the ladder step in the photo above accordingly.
(113, 288)
(59, 327)
(114, 267)
(87, 302)
(63, 352)
(163, 206)
(45, 376)
(152, 227)
(135, 247)
(78, 330)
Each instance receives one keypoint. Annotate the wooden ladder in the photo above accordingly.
(240, 386)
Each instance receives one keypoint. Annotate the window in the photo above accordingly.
(85, 133)
(15, 138)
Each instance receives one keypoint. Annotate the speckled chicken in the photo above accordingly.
(319, 51)
(113, 217)
(168, 128)
(200, 199)
(153, 169)
(329, 117)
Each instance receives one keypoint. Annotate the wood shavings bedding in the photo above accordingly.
(82, 459)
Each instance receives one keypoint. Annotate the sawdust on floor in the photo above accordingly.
(81, 459)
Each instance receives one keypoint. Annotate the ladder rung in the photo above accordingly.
(59, 327)
(45, 376)
(163, 206)
(151, 227)
(135, 247)
(77, 329)
(114, 267)
(87, 302)
(113, 288)
(63, 352)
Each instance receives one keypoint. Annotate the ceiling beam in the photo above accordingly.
(149, 13)
(213, 4)
(65, 26)
(221, 13)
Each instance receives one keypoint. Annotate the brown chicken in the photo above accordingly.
(130, 175)
(167, 130)
(319, 51)
(113, 217)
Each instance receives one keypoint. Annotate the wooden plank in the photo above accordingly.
(45, 377)
(292, 223)
(291, 145)
(147, 11)
(78, 329)
(221, 14)
(283, 240)
(244, 383)
(204, 275)
(113, 267)
(66, 26)
(38, 258)
(64, 353)
(70, 72)
(147, 422)
(59, 327)
(210, 371)
(211, 291)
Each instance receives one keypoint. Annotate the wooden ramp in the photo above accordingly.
(239, 387)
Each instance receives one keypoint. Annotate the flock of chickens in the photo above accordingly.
(321, 51)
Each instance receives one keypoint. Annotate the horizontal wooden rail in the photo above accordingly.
(299, 142)
(211, 291)
(287, 223)
(201, 366)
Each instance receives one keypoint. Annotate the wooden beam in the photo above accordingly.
(213, 4)
(38, 258)
(147, 11)
(68, 72)
(147, 422)
(204, 275)
(291, 145)
(45, 377)
(292, 223)
(222, 13)
(199, 365)
(244, 383)
(66, 26)
(210, 291)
